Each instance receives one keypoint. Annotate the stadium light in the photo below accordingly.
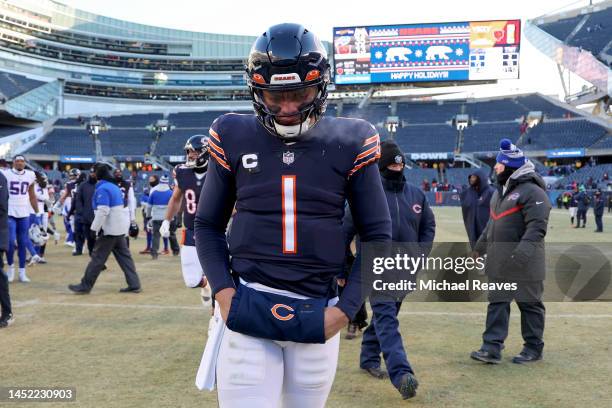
(94, 127)
(160, 127)
(392, 124)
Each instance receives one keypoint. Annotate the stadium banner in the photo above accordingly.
(432, 156)
(456, 51)
(77, 159)
(551, 154)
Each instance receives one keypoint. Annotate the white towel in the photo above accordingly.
(206, 378)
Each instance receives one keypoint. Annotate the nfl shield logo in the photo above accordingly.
(288, 158)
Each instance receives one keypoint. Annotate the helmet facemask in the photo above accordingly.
(306, 107)
(287, 74)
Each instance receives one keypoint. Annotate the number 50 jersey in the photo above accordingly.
(289, 199)
(18, 183)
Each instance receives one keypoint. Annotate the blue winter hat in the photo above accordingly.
(509, 155)
(164, 179)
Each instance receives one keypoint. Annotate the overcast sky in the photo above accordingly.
(538, 73)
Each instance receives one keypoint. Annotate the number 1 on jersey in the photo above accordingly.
(289, 215)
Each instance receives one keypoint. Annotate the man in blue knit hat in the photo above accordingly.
(514, 243)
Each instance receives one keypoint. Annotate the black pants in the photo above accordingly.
(82, 234)
(528, 298)
(5, 299)
(104, 246)
(599, 222)
(581, 215)
(156, 236)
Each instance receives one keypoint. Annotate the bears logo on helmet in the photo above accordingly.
(198, 144)
(288, 59)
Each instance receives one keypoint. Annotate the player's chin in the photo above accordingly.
(288, 120)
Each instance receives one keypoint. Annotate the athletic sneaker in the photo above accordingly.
(69, 243)
(23, 277)
(42, 260)
(6, 321)
(10, 273)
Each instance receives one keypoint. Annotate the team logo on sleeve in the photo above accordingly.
(288, 158)
(282, 315)
(417, 208)
(513, 196)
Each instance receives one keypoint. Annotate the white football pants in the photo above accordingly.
(261, 373)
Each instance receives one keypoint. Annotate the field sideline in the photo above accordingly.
(127, 350)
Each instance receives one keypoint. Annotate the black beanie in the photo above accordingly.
(103, 171)
(390, 153)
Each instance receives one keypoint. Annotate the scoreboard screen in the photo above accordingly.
(461, 51)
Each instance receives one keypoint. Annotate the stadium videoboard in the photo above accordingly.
(460, 51)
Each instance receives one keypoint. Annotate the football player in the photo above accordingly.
(22, 200)
(127, 189)
(288, 171)
(189, 179)
(64, 204)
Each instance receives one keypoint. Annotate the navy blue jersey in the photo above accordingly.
(289, 200)
(190, 184)
(71, 188)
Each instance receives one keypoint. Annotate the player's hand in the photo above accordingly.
(341, 282)
(164, 229)
(224, 298)
(335, 320)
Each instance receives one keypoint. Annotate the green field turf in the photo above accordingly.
(143, 350)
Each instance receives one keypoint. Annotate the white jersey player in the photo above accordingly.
(22, 199)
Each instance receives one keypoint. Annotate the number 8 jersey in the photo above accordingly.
(190, 184)
(19, 183)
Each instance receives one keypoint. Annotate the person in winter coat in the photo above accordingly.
(584, 202)
(84, 214)
(6, 315)
(412, 222)
(111, 223)
(514, 243)
(475, 205)
(156, 210)
(598, 210)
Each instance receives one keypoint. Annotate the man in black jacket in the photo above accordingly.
(6, 317)
(412, 222)
(598, 210)
(514, 243)
(583, 207)
(84, 214)
(475, 202)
